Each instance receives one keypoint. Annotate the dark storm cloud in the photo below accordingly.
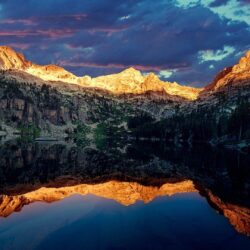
(217, 3)
(244, 1)
(99, 36)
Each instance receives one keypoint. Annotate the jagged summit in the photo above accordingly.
(244, 63)
(12, 60)
(9, 59)
(131, 70)
(128, 75)
(238, 74)
(129, 81)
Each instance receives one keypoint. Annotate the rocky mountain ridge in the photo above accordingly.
(238, 74)
(55, 101)
(129, 81)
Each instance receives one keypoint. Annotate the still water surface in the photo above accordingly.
(183, 221)
(136, 197)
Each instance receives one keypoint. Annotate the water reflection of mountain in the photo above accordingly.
(126, 173)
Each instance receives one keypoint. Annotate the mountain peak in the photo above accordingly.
(10, 59)
(244, 63)
(132, 72)
(236, 75)
(129, 81)
(152, 77)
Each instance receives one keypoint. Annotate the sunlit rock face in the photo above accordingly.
(238, 75)
(129, 81)
(51, 97)
(132, 81)
(243, 65)
(238, 216)
(125, 193)
(51, 73)
(9, 59)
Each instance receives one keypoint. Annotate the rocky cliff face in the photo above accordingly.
(129, 81)
(237, 76)
(53, 99)
(9, 59)
(56, 107)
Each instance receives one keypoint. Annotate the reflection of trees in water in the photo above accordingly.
(221, 176)
(149, 163)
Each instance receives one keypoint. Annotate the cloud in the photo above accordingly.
(124, 17)
(22, 46)
(100, 36)
(49, 33)
(234, 10)
(165, 73)
(21, 21)
(215, 55)
(72, 64)
(218, 3)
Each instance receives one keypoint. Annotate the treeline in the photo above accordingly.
(199, 125)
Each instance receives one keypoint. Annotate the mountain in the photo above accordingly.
(129, 81)
(9, 59)
(51, 100)
(238, 74)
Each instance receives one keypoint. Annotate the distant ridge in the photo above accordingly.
(129, 81)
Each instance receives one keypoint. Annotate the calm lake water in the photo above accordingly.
(132, 196)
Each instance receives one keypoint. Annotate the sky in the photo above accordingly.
(187, 41)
